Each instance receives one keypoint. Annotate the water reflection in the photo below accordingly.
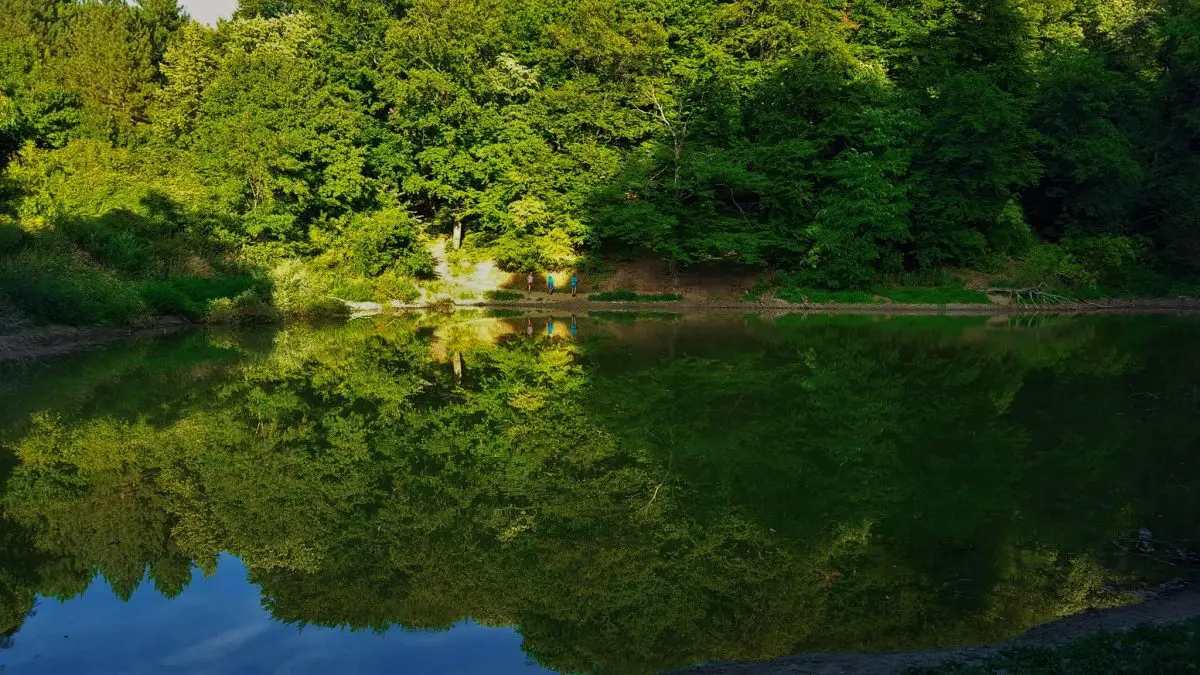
(218, 625)
(656, 491)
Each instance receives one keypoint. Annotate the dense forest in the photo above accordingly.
(309, 148)
(644, 496)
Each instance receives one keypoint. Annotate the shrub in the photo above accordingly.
(375, 242)
(164, 298)
(204, 289)
(191, 296)
(248, 307)
(1086, 263)
(50, 287)
(355, 289)
(10, 235)
(297, 291)
(393, 285)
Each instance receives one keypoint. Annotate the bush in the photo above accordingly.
(355, 289)
(375, 242)
(1080, 263)
(393, 285)
(51, 287)
(10, 235)
(297, 291)
(630, 296)
(191, 296)
(248, 307)
(164, 298)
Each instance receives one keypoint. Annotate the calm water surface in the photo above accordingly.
(613, 493)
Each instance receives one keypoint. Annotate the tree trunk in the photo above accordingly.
(458, 235)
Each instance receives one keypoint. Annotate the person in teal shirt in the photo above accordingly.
(550, 284)
(574, 284)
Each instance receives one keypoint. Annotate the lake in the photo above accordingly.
(615, 493)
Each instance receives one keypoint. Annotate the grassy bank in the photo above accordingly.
(631, 296)
(80, 280)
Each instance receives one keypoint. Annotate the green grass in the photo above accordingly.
(916, 295)
(191, 296)
(630, 296)
(820, 296)
(503, 296)
(1149, 650)
(51, 288)
(942, 295)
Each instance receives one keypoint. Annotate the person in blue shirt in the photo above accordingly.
(574, 284)
(550, 284)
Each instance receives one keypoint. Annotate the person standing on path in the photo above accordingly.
(550, 284)
(529, 283)
(574, 284)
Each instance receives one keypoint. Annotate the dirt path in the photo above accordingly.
(1167, 607)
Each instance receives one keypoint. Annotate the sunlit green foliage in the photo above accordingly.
(842, 144)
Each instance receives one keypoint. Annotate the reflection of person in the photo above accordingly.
(574, 284)
(550, 284)
(550, 327)
(529, 283)
(574, 327)
(529, 327)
